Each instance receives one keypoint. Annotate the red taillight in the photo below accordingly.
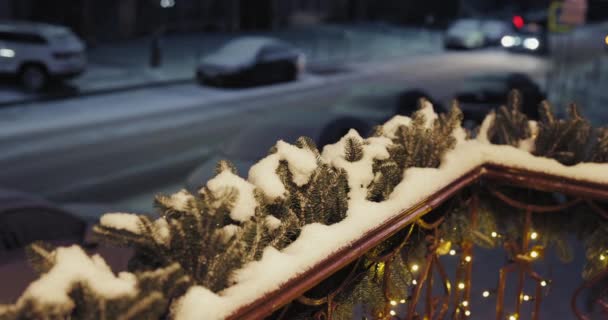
(518, 22)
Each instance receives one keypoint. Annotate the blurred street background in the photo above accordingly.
(104, 104)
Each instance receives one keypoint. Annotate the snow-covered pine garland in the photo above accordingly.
(201, 240)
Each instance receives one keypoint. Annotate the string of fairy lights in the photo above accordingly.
(534, 253)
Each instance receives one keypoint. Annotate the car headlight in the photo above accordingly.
(531, 43)
(507, 41)
(7, 53)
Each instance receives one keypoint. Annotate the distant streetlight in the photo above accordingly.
(167, 3)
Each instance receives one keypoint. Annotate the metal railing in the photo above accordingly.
(428, 305)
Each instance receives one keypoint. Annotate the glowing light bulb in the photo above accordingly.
(513, 317)
(465, 303)
(415, 267)
(602, 257)
(533, 235)
(534, 254)
(393, 303)
(393, 313)
(460, 285)
(452, 252)
(526, 297)
(543, 283)
(467, 313)
(467, 258)
(486, 294)
(414, 282)
(494, 234)
(402, 301)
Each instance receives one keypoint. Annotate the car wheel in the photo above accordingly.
(33, 77)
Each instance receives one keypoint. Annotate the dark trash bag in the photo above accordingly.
(25, 219)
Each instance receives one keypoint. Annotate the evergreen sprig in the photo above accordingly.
(510, 124)
(566, 141)
(150, 300)
(414, 145)
(323, 199)
(353, 149)
(192, 232)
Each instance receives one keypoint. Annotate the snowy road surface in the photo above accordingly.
(120, 145)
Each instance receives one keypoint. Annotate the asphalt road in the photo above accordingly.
(115, 147)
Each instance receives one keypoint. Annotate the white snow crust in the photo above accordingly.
(72, 266)
(245, 205)
(122, 221)
(302, 163)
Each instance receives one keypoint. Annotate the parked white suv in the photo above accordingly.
(37, 53)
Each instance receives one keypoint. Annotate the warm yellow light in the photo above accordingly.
(486, 294)
(402, 301)
(448, 285)
(533, 254)
(393, 303)
(452, 252)
(415, 267)
(526, 297)
(602, 257)
(533, 235)
(460, 285)
(393, 313)
(467, 258)
(467, 313)
(606, 40)
(512, 317)
(465, 303)
(414, 282)
(494, 234)
(543, 283)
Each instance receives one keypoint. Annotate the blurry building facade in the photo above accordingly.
(110, 20)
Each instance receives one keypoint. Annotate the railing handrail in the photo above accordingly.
(298, 285)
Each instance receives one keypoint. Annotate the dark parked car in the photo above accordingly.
(481, 93)
(251, 61)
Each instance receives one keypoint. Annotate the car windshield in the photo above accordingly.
(243, 49)
(62, 38)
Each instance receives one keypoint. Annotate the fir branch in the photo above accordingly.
(567, 141)
(40, 256)
(510, 124)
(225, 165)
(353, 150)
(414, 145)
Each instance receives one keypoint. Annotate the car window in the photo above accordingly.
(241, 50)
(22, 37)
(270, 51)
(63, 38)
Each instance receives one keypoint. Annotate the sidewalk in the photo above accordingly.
(126, 65)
